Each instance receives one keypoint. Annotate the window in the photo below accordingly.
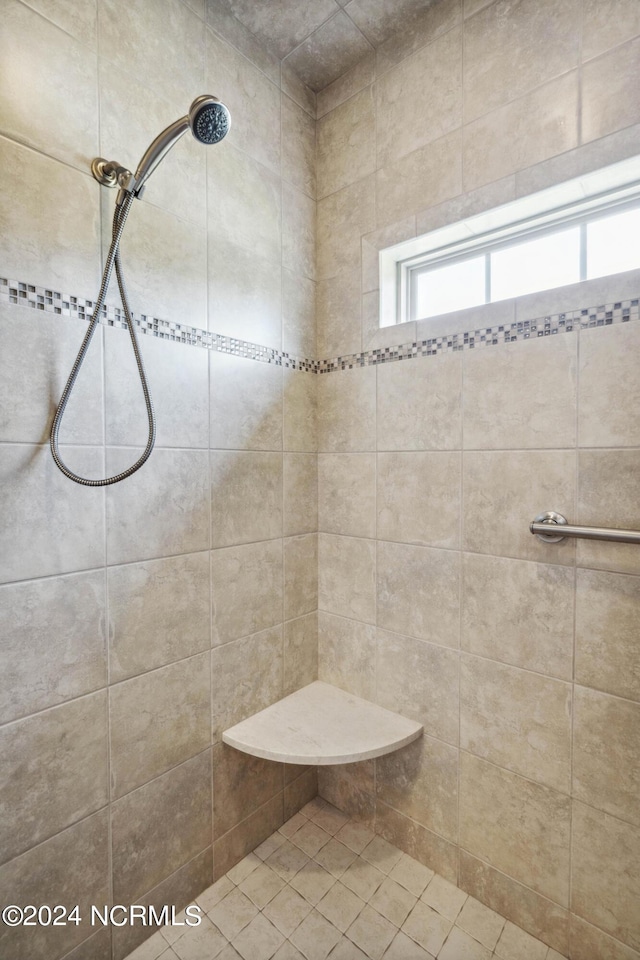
(576, 231)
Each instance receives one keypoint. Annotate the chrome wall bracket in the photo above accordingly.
(109, 173)
(551, 519)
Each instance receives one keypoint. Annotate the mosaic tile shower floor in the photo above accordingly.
(324, 886)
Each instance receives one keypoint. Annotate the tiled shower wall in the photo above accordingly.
(520, 658)
(138, 621)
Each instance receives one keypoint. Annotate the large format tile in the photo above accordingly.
(242, 784)
(298, 315)
(424, 177)
(346, 143)
(608, 103)
(244, 292)
(246, 404)
(159, 612)
(354, 390)
(346, 577)
(71, 868)
(300, 575)
(246, 677)
(517, 719)
(418, 842)
(298, 231)
(330, 50)
(158, 720)
(298, 147)
(346, 654)
(160, 827)
(246, 497)
(246, 589)
(588, 941)
(49, 524)
(505, 613)
(419, 404)
(300, 514)
(517, 826)
(608, 23)
(161, 510)
(53, 642)
(300, 653)
(609, 389)
(608, 493)
(431, 480)
(343, 217)
(300, 428)
(55, 771)
(347, 494)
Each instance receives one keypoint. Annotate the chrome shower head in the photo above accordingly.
(209, 119)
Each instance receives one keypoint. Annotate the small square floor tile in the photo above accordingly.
(354, 835)
(363, 878)
(516, 944)
(315, 938)
(233, 913)
(287, 952)
(480, 922)
(313, 881)
(459, 944)
(270, 845)
(335, 857)
(287, 910)
(170, 955)
(203, 942)
(330, 819)
(403, 948)
(292, 825)
(382, 854)
(393, 901)
(411, 874)
(372, 933)
(242, 869)
(262, 885)
(215, 893)
(229, 953)
(258, 941)
(310, 838)
(152, 948)
(173, 931)
(287, 860)
(340, 906)
(346, 949)
(313, 807)
(427, 928)
(444, 897)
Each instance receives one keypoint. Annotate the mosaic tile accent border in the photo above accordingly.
(66, 305)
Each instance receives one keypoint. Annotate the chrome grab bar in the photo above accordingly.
(540, 527)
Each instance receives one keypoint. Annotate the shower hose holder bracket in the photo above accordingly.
(109, 173)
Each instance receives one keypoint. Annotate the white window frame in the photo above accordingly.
(576, 202)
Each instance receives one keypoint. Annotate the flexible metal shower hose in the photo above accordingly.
(113, 258)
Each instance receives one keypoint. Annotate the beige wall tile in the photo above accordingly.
(250, 487)
(244, 293)
(242, 784)
(347, 494)
(343, 217)
(298, 315)
(508, 51)
(466, 205)
(419, 404)
(80, 24)
(178, 378)
(244, 838)
(97, 947)
(506, 608)
(517, 826)
(300, 653)
(586, 293)
(246, 585)
(608, 83)
(298, 231)
(420, 99)
(417, 841)
(346, 143)
(246, 677)
(347, 654)
(609, 392)
(53, 642)
(328, 52)
(158, 720)
(431, 480)
(536, 914)
(419, 680)
(605, 873)
(526, 131)
(377, 240)
(606, 753)
(359, 76)
(159, 612)
(587, 942)
(300, 791)
(507, 403)
(298, 147)
(354, 390)
(608, 492)
(50, 87)
(339, 315)
(55, 771)
(300, 493)
(500, 313)
(74, 864)
(293, 87)
(350, 788)
(373, 335)
(173, 490)
(608, 24)
(246, 404)
(504, 491)
(427, 24)
(421, 781)
(300, 575)
(426, 176)
(346, 577)
(300, 430)
(418, 592)
(517, 719)
(607, 628)
(46, 241)
(169, 819)
(33, 379)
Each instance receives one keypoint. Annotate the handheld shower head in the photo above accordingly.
(209, 119)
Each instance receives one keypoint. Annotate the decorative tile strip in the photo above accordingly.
(50, 301)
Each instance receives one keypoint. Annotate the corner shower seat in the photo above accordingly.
(322, 725)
